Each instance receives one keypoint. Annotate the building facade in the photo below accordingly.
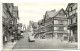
(71, 13)
(16, 18)
(41, 29)
(49, 23)
(60, 24)
(8, 21)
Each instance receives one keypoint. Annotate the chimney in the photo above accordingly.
(53, 10)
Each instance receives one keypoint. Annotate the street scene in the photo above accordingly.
(41, 25)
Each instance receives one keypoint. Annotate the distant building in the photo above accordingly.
(71, 13)
(41, 28)
(30, 28)
(35, 28)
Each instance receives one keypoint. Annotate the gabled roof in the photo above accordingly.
(50, 13)
(53, 13)
(59, 12)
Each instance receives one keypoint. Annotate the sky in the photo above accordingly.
(34, 11)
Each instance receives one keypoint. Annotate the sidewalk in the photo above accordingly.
(75, 43)
(9, 45)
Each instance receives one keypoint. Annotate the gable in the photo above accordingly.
(61, 13)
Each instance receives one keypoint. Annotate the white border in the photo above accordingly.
(42, 1)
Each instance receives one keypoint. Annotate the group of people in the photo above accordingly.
(15, 36)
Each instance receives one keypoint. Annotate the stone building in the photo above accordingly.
(71, 14)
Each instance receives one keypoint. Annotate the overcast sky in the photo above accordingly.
(35, 10)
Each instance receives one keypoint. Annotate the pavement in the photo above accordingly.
(44, 44)
(9, 45)
(40, 44)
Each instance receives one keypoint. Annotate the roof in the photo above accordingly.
(15, 8)
(59, 12)
(40, 21)
(35, 24)
(53, 13)
(50, 13)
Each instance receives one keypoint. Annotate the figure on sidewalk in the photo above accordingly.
(12, 38)
(70, 39)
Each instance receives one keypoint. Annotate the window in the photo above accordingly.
(73, 7)
(74, 20)
(69, 9)
(55, 21)
(65, 28)
(74, 11)
(61, 22)
(69, 21)
(55, 28)
(61, 28)
(65, 22)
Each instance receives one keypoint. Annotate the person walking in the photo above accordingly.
(12, 38)
(70, 39)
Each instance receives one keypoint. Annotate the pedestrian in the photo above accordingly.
(70, 39)
(61, 39)
(12, 38)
